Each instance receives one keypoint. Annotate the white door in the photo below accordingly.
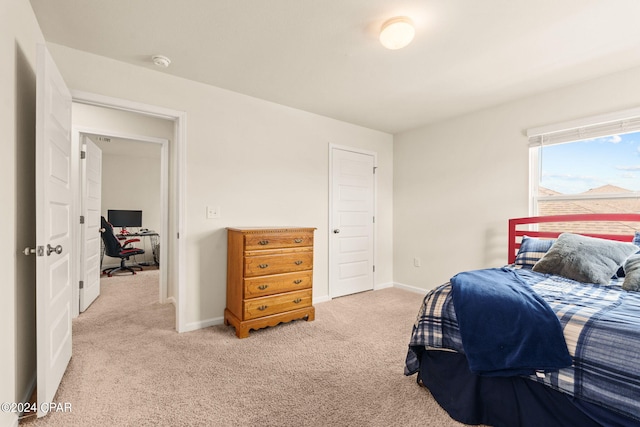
(351, 222)
(91, 208)
(54, 197)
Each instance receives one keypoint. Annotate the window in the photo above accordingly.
(591, 168)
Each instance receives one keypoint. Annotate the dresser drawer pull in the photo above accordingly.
(298, 262)
(263, 242)
(297, 300)
(263, 265)
(297, 281)
(263, 307)
(263, 287)
(298, 240)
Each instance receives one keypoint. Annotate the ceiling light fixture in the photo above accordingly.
(161, 61)
(397, 32)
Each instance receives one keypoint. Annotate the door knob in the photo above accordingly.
(57, 249)
(336, 231)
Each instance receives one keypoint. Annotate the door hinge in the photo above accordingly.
(374, 169)
(374, 219)
(374, 268)
(83, 154)
(81, 219)
(81, 284)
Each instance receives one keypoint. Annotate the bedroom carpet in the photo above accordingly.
(130, 367)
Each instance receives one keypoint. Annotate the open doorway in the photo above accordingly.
(132, 183)
(134, 152)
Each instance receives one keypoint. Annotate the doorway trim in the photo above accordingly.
(176, 155)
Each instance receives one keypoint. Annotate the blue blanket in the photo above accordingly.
(506, 328)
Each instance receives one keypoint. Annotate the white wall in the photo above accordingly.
(262, 163)
(456, 183)
(18, 38)
(131, 181)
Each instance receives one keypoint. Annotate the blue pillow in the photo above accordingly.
(531, 250)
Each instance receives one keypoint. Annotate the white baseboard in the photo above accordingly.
(171, 300)
(319, 300)
(410, 288)
(382, 286)
(105, 266)
(193, 326)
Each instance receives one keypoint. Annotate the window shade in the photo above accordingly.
(586, 129)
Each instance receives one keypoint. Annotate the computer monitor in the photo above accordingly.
(124, 218)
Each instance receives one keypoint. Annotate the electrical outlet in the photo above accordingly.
(213, 212)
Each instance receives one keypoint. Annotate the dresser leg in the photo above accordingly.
(312, 314)
(242, 332)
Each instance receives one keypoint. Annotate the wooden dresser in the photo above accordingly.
(269, 277)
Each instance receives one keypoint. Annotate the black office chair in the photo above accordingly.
(114, 248)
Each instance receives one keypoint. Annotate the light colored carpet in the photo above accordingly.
(130, 367)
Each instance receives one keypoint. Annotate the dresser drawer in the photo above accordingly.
(276, 284)
(290, 239)
(265, 306)
(263, 265)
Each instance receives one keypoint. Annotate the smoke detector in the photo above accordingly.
(161, 61)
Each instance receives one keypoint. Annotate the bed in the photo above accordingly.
(573, 361)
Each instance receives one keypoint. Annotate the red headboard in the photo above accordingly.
(614, 226)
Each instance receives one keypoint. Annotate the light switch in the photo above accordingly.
(213, 212)
(416, 262)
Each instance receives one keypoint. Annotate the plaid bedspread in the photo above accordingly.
(601, 326)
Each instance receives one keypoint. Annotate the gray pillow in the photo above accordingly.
(585, 259)
(632, 273)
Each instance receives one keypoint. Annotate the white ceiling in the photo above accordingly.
(323, 56)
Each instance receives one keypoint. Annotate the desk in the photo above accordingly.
(153, 240)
